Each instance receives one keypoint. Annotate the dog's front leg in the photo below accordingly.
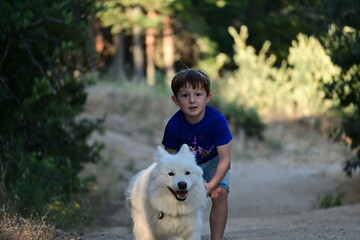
(141, 230)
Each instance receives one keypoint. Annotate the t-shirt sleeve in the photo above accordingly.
(222, 134)
(170, 137)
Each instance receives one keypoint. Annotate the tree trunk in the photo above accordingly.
(100, 43)
(119, 62)
(150, 52)
(168, 49)
(138, 54)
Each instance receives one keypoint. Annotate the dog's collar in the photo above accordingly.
(161, 215)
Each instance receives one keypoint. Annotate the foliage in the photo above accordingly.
(331, 200)
(277, 21)
(213, 66)
(241, 117)
(280, 21)
(311, 66)
(42, 91)
(293, 88)
(351, 128)
(343, 43)
(64, 214)
(124, 15)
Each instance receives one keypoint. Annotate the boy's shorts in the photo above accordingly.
(209, 169)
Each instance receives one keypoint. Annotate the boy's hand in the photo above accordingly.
(208, 188)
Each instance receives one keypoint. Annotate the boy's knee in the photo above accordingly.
(219, 193)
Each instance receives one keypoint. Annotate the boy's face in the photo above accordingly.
(192, 102)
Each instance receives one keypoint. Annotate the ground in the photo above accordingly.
(278, 184)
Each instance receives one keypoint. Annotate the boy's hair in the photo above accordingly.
(194, 77)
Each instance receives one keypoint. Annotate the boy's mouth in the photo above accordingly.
(192, 108)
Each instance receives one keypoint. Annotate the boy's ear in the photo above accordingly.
(174, 99)
(208, 98)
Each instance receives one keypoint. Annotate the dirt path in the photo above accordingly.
(276, 186)
(342, 223)
(262, 188)
(272, 197)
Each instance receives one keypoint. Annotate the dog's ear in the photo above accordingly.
(160, 154)
(186, 152)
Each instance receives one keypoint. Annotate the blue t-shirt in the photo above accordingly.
(202, 137)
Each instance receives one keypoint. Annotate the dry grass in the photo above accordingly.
(13, 227)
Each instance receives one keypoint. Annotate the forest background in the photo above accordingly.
(295, 59)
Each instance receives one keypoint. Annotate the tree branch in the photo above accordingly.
(34, 61)
(5, 52)
(2, 80)
(46, 19)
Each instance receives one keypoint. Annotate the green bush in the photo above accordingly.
(42, 91)
(343, 44)
(331, 200)
(292, 88)
(351, 134)
(315, 78)
(241, 117)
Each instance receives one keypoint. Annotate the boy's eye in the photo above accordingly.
(184, 95)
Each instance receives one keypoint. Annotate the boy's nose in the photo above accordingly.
(192, 98)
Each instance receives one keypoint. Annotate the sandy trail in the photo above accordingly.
(270, 196)
(267, 188)
(341, 223)
(276, 184)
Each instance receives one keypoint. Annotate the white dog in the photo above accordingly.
(167, 198)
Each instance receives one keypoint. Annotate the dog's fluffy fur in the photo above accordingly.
(167, 198)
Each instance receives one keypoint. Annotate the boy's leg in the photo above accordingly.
(219, 213)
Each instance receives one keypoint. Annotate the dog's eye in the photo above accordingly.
(171, 174)
(187, 173)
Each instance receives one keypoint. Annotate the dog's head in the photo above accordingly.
(176, 181)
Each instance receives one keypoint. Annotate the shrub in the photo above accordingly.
(42, 91)
(292, 88)
(343, 43)
(331, 200)
(241, 117)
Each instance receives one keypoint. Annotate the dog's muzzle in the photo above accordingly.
(182, 193)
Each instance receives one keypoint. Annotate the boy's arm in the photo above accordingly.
(222, 168)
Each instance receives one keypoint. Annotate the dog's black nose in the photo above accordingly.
(182, 185)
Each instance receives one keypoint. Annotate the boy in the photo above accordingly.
(207, 133)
